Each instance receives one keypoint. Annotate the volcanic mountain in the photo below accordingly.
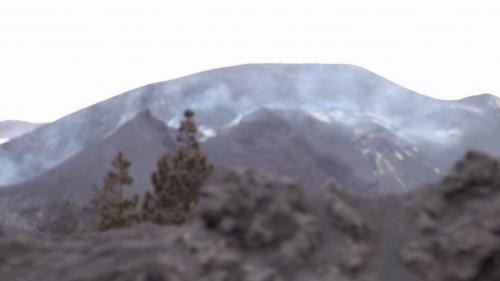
(275, 140)
(312, 122)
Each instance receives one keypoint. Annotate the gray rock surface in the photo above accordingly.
(398, 137)
(261, 227)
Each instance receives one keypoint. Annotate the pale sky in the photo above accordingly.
(58, 56)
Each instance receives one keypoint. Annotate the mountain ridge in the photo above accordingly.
(219, 96)
(11, 129)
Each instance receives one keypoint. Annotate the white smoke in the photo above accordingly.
(331, 93)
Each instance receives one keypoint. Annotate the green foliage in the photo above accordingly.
(176, 185)
(178, 178)
(114, 210)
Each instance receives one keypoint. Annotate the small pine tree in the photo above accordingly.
(122, 176)
(178, 178)
(59, 219)
(113, 209)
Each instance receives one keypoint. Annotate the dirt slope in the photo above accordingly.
(257, 226)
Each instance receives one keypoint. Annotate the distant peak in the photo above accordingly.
(18, 122)
(484, 96)
(482, 101)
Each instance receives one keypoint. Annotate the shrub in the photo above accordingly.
(58, 219)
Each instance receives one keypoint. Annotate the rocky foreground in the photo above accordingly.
(259, 227)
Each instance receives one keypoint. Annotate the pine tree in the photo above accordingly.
(178, 178)
(121, 164)
(114, 210)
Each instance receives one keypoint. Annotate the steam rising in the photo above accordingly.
(221, 97)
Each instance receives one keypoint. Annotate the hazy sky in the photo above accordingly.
(57, 56)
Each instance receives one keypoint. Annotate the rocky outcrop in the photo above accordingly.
(257, 226)
(459, 237)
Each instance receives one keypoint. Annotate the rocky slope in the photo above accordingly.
(286, 142)
(258, 226)
(296, 144)
(143, 139)
(391, 122)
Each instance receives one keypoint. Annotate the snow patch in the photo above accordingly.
(321, 116)
(399, 156)
(120, 123)
(383, 165)
(381, 120)
(326, 115)
(206, 133)
(408, 153)
(236, 121)
(401, 182)
(4, 140)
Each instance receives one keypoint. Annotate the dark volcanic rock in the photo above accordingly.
(261, 227)
(464, 242)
